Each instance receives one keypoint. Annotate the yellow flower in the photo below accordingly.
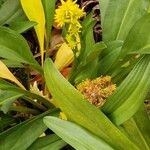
(74, 29)
(71, 40)
(74, 41)
(68, 12)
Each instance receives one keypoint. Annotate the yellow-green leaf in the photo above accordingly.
(35, 12)
(80, 111)
(6, 74)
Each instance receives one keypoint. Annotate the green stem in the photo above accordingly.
(41, 99)
(47, 103)
(47, 46)
(74, 72)
(24, 110)
(39, 106)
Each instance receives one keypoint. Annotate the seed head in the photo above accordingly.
(98, 90)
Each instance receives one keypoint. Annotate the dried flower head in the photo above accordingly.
(98, 90)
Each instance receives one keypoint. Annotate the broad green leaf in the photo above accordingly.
(138, 129)
(35, 12)
(76, 136)
(109, 60)
(17, 16)
(24, 134)
(95, 52)
(89, 39)
(49, 8)
(109, 57)
(11, 50)
(55, 146)
(79, 110)
(12, 64)
(22, 26)
(128, 97)
(49, 142)
(10, 11)
(120, 73)
(124, 14)
(6, 74)
(110, 47)
(1, 2)
(89, 71)
(138, 40)
(143, 123)
(103, 4)
(86, 22)
(7, 98)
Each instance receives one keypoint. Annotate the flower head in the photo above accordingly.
(98, 90)
(68, 12)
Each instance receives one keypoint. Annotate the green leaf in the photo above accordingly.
(112, 46)
(12, 64)
(88, 65)
(76, 136)
(11, 50)
(109, 56)
(5, 121)
(79, 110)
(124, 14)
(49, 9)
(128, 97)
(23, 135)
(86, 22)
(138, 39)
(143, 123)
(138, 129)
(7, 98)
(17, 16)
(87, 45)
(4, 85)
(7, 10)
(22, 26)
(1, 2)
(103, 7)
(95, 52)
(89, 39)
(89, 71)
(109, 60)
(120, 73)
(49, 142)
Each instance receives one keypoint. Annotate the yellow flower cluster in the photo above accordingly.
(69, 14)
